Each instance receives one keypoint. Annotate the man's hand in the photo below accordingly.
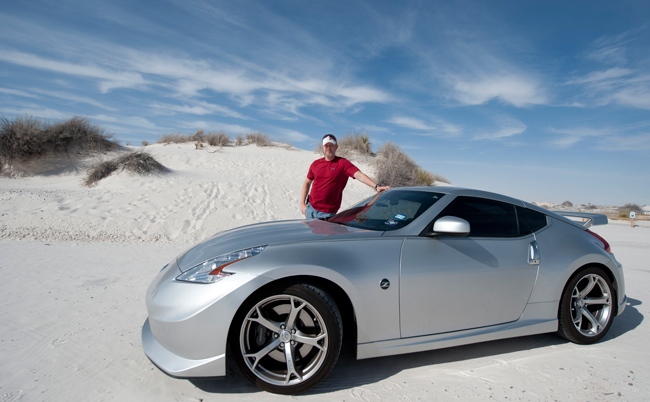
(303, 209)
(381, 189)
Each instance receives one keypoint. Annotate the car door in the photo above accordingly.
(456, 283)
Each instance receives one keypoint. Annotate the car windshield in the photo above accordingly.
(390, 210)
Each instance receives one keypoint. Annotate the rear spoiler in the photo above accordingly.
(588, 219)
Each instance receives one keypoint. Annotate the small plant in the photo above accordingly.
(567, 204)
(424, 177)
(198, 145)
(218, 139)
(357, 141)
(145, 143)
(138, 162)
(259, 139)
(173, 138)
(239, 141)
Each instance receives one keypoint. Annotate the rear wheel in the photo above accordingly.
(587, 306)
(286, 340)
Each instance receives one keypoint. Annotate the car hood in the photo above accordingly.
(269, 233)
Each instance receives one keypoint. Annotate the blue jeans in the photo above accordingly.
(311, 213)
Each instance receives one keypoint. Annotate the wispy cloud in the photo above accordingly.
(17, 92)
(108, 79)
(436, 127)
(197, 108)
(506, 127)
(627, 86)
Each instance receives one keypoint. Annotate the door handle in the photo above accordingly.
(533, 253)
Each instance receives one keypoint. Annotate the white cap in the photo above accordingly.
(329, 140)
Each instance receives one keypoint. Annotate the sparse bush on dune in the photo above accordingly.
(395, 168)
(173, 138)
(28, 138)
(239, 141)
(138, 162)
(260, 139)
(358, 142)
(629, 207)
(218, 139)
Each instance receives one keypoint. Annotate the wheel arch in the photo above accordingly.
(610, 276)
(341, 298)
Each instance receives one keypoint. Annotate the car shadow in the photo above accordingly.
(350, 373)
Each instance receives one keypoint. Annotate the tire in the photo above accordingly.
(587, 306)
(287, 340)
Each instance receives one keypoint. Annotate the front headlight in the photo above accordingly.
(212, 270)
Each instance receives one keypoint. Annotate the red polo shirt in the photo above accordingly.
(330, 178)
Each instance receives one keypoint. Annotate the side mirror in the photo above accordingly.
(451, 226)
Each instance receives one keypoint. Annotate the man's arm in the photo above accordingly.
(303, 195)
(359, 175)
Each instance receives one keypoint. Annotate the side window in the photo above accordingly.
(529, 221)
(487, 218)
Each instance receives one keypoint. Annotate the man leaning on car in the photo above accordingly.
(329, 175)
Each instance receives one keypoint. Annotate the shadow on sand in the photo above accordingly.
(350, 373)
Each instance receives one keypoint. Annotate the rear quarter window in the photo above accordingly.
(529, 220)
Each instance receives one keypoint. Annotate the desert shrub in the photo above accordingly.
(424, 177)
(138, 162)
(358, 142)
(173, 138)
(260, 139)
(199, 136)
(26, 138)
(393, 167)
(239, 141)
(440, 178)
(629, 207)
(100, 171)
(218, 139)
(567, 204)
(590, 206)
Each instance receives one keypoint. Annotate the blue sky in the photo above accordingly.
(543, 101)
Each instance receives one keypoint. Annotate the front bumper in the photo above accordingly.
(178, 366)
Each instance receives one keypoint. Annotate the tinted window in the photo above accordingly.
(529, 221)
(390, 210)
(487, 218)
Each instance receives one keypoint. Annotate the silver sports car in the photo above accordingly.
(408, 270)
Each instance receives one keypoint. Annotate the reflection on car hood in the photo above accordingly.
(268, 234)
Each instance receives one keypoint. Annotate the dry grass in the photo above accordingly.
(27, 138)
(173, 138)
(239, 141)
(394, 168)
(138, 162)
(356, 142)
(218, 139)
(260, 139)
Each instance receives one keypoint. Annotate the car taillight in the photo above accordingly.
(604, 244)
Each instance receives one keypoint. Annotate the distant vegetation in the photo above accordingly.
(216, 139)
(27, 138)
(393, 167)
(630, 208)
(138, 162)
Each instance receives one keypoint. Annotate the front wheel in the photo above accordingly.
(286, 340)
(587, 306)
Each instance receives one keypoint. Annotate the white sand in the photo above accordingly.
(72, 310)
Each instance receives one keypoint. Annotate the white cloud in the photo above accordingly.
(199, 108)
(108, 79)
(72, 97)
(507, 127)
(126, 120)
(17, 92)
(515, 89)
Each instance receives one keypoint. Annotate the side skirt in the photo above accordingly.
(537, 318)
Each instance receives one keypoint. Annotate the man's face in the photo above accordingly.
(329, 150)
